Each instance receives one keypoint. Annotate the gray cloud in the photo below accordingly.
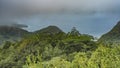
(18, 7)
(12, 24)
(18, 25)
(11, 10)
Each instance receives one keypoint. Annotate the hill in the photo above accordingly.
(11, 33)
(50, 30)
(113, 35)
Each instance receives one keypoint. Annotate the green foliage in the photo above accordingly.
(74, 32)
(102, 57)
(105, 57)
(32, 61)
(59, 50)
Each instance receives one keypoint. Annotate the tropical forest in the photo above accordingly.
(51, 47)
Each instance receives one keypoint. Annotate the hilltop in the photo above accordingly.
(49, 30)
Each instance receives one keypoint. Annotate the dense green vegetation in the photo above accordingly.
(56, 49)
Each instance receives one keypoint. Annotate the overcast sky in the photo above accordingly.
(94, 17)
(52, 6)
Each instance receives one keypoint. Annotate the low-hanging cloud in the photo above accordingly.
(49, 6)
(12, 9)
(12, 24)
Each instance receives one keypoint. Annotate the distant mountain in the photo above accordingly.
(49, 30)
(113, 35)
(10, 33)
(13, 33)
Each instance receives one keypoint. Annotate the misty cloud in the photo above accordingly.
(18, 7)
(11, 9)
(12, 24)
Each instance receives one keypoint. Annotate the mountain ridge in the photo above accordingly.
(49, 30)
(11, 33)
(113, 35)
